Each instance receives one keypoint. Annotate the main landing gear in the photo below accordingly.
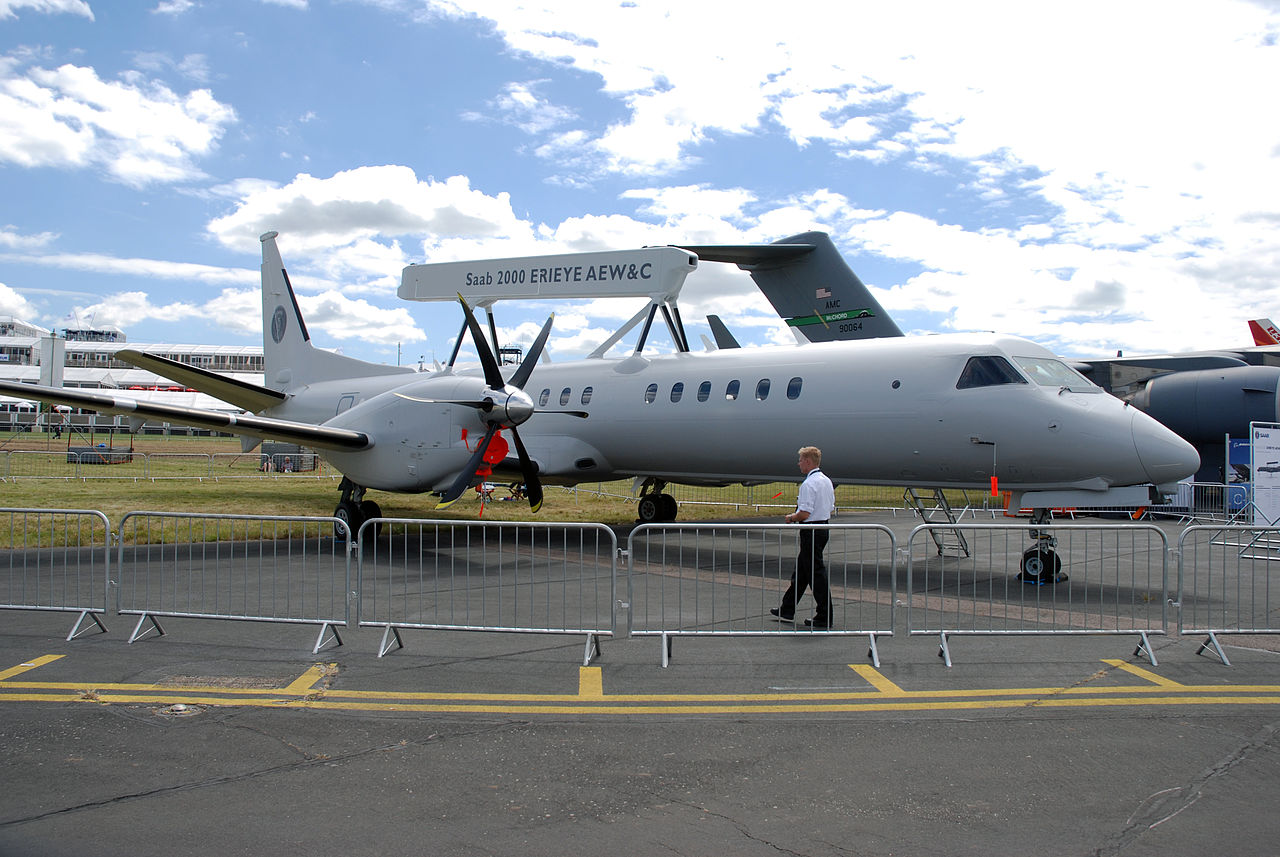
(1041, 565)
(353, 509)
(655, 507)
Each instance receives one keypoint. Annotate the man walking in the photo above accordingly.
(815, 504)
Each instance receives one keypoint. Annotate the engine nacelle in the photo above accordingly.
(1203, 406)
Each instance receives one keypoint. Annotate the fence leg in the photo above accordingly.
(593, 650)
(944, 651)
(1144, 648)
(145, 617)
(1217, 647)
(385, 646)
(333, 636)
(75, 629)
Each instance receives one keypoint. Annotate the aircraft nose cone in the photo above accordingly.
(1165, 456)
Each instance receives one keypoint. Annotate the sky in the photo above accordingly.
(1095, 176)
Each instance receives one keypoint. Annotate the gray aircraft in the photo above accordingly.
(940, 411)
(1204, 396)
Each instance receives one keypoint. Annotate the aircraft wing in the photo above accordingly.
(1190, 361)
(318, 436)
(250, 397)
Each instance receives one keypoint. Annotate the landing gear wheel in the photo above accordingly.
(368, 511)
(348, 512)
(1041, 566)
(649, 509)
(668, 508)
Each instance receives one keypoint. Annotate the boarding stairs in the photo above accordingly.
(936, 510)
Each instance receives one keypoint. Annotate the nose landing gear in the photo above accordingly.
(1041, 565)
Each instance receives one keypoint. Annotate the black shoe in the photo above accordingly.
(778, 612)
(815, 622)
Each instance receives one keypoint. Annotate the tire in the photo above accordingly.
(1040, 565)
(368, 511)
(649, 509)
(349, 513)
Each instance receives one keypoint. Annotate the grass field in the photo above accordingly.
(212, 476)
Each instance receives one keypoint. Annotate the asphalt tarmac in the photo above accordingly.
(230, 738)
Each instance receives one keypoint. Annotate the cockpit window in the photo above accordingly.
(1048, 372)
(988, 372)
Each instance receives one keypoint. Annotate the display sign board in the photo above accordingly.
(654, 272)
(1265, 468)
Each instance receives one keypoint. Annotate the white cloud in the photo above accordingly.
(14, 304)
(10, 8)
(139, 131)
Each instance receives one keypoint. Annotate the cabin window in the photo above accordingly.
(762, 390)
(731, 391)
(1048, 372)
(704, 391)
(988, 372)
(677, 390)
(586, 395)
(650, 393)
(543, 398)
(564, 397)
(793, 388)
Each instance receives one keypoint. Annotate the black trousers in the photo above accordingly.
(811, 570)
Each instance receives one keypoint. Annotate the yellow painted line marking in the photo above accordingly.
(590, 683)
(29, 665)
(591, 699)
(877, 680)
(305, 682)
(1141, 673)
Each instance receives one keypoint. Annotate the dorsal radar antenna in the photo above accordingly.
(656, 273)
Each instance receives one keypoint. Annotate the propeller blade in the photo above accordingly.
(468, 473)
(492, 374)
(531, 359)
(532, 485)
(485, 405)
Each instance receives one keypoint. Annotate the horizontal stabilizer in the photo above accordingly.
(320, 437)
(250, 397)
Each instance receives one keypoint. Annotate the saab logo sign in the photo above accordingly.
(278, 321)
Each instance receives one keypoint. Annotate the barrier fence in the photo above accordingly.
(1091, 579)
(673, 579)
(56, 559)
(1225, 583)
(494, 576)
(716, 580)
(266, 569)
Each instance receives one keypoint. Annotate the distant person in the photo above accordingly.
(815, 504)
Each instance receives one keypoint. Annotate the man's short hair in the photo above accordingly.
(812, 453)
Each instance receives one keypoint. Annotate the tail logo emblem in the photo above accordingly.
(277, 325)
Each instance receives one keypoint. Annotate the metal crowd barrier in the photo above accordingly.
(553, 578)
(1106, 579)
(1225, 583)
(718, 580)
(264, 569)
(56, 559)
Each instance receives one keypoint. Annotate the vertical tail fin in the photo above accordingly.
(1264, 332)
(289, 358)
(810, 285)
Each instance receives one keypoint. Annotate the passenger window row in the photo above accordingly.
(731, 390)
